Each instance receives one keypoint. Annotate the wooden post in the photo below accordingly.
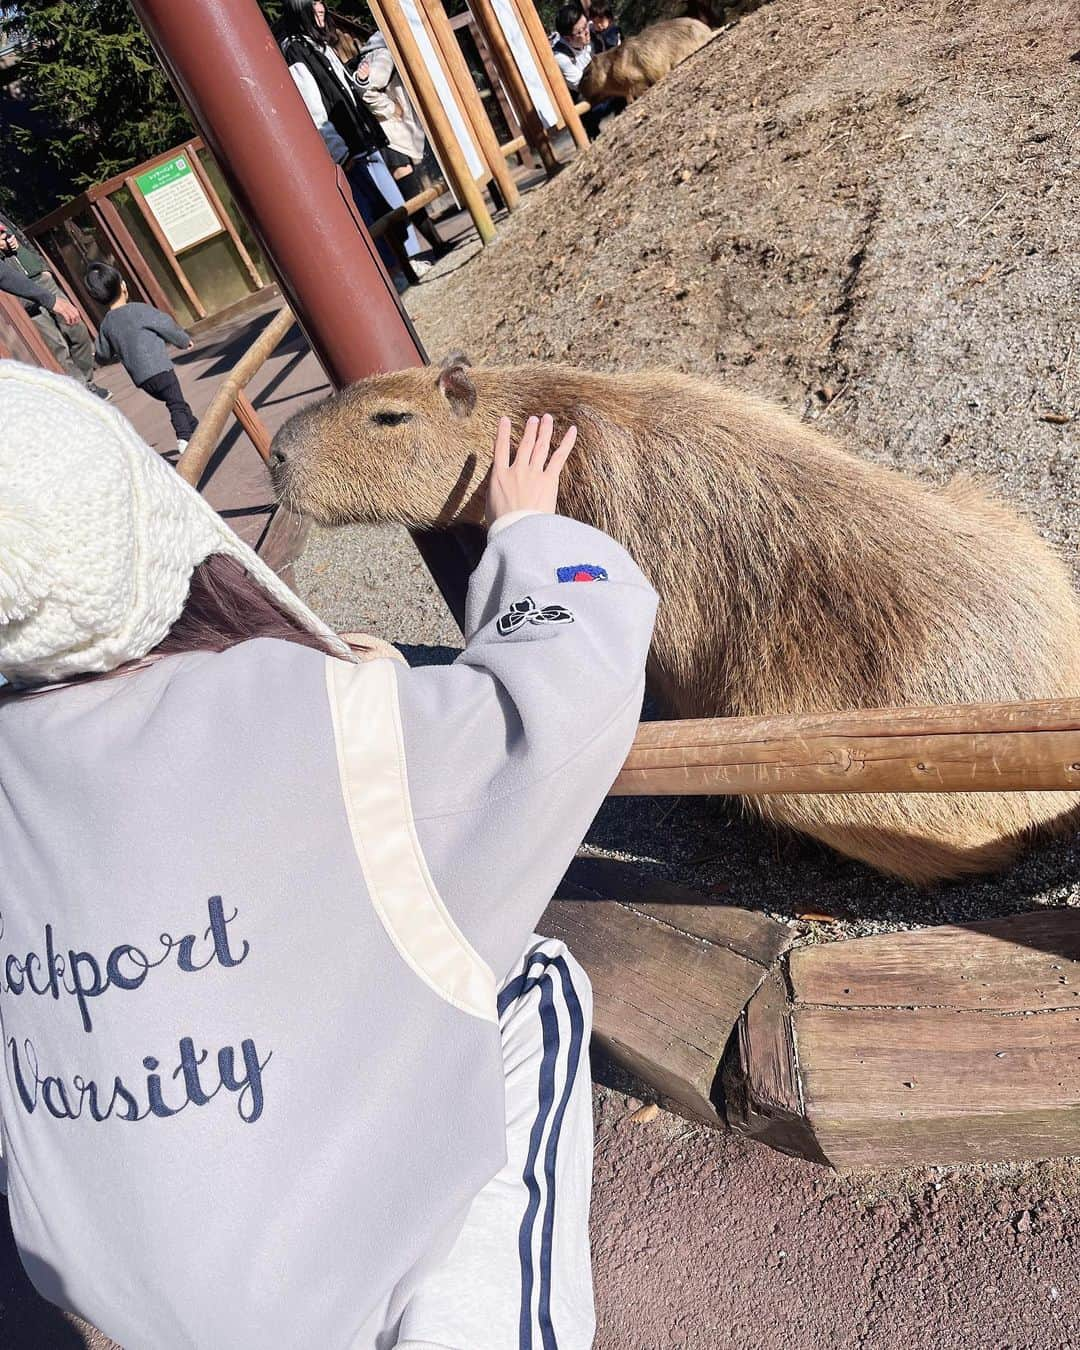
(258, 433)
(467, 20)
(27, 330)
(166, 248)
(62, 281)
(531, 124)
(223, 215)
(1009, 747)
(442, 36)
(411, 67)
(127, 251)
(545, 59)
(230, 398)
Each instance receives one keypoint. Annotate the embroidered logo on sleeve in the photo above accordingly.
(527, 611)
(581, 572)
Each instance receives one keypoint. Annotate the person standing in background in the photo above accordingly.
(23, 274)
(135, 335)
(383, 93)
(350, 132)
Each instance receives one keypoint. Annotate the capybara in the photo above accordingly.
(642, 61)
(793, 575)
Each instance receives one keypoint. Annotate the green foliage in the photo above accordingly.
(96, 94)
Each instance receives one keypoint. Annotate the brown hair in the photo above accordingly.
(226, 607)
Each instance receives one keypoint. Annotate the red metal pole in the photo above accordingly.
(227, 68)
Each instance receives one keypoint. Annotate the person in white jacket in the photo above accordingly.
(351, 134)
(384, 94)
(284, 1062)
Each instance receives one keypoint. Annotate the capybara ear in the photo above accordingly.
(456, 386)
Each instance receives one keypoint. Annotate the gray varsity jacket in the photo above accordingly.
(254, 912)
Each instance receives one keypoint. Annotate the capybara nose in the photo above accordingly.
(276, 460)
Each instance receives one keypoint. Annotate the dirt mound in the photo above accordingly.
(865, 211)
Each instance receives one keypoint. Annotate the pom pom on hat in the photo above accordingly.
(24, 570)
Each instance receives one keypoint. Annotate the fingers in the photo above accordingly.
(502, 444)
(561, 453)
(542, 444)
(528, 440)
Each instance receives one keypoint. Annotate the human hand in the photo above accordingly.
(363, 70)
(66, 311)
(531, 482)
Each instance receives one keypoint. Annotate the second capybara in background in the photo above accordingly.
(794, 577)
(642, 61)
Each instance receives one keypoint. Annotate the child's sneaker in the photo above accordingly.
(181, 446)
(97, 389)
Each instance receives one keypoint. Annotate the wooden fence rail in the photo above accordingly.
(1004, 747)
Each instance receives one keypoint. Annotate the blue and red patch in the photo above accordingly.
(581, 572)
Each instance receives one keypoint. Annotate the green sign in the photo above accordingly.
(163, 175)
(176, 198)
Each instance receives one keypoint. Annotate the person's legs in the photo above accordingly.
(372, 206)
(384, 180)
(519, 1275)
(71, 344)
(166, 389)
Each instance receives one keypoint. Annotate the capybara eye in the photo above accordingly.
(390, 419)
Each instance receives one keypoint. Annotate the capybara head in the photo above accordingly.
(413, 446)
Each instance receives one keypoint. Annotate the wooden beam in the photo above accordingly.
(129, 254)
(223, 215)
(445, 41)
(531, 123)
(665, 999)
(27, 330)
(549, 68)
(945, 1045)
(976, 748)
(256, 430)
(229, 398)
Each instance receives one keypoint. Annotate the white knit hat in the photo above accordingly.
(99, 536)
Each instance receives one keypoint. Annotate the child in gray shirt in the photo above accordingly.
(135, 334)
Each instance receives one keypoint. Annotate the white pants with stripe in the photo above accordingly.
(519, 1276)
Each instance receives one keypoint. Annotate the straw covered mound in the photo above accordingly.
(867, 211)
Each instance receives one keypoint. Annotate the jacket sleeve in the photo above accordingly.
(380, 69)
(168, 328)
(510, 751)
(309, 92)
(103, 348)
(15, 281)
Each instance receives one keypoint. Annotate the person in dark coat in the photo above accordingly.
(351, 133)
(24, 274)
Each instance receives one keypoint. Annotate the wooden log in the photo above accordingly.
(665, 1000)
(946, 1045)
(976, 748)
(1029, 961)
(192, 463)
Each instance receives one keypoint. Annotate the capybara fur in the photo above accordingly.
(794, 576)
(635, 65)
